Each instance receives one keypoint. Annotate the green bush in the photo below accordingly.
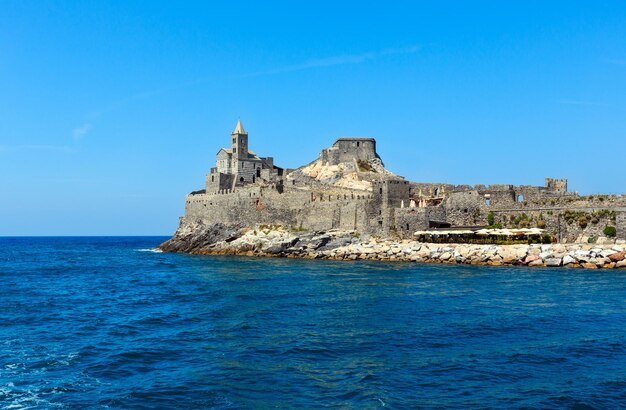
(491, 218)
(610, 231)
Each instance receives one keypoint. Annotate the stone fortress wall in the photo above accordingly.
(391, 205)
(349, 149)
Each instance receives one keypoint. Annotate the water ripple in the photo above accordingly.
(109, 323)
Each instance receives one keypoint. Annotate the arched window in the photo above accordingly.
(520, 198)
(241, 179)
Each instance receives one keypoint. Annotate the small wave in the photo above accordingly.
(155, 250)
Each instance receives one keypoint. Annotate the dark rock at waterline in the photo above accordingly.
(200, 237)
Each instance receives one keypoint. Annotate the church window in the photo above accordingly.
(234, 150)
(234, 140)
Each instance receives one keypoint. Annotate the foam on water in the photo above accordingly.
(155, 250)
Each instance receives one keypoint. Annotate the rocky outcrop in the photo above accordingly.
(219, 239)
(351, 174)
(195, 237)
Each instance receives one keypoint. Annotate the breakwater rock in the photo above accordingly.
(267, 240)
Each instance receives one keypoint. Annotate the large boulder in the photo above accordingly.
(616, 257)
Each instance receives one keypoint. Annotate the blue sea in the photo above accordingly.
(109, 323)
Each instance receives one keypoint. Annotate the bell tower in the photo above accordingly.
(239, 143)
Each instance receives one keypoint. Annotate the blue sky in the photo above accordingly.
(110, 112)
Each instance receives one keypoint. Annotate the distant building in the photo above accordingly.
(238, 165)
(348, 188)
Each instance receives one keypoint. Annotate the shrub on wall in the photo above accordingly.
(610, 231)
(491, 218)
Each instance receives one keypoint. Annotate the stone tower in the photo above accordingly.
(239, 143)
(556, 185)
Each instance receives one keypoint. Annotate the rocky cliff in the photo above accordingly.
(353, 174)
(273, 240)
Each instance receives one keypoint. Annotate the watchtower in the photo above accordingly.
(558, 186)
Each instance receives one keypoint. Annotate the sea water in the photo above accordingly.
(108, 323)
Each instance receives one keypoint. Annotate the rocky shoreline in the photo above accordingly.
(274, 241)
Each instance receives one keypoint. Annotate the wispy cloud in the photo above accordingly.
(81, 131)
(77, 133)
(36, 147)
(345, 59)
(336, 61)
(583, 102)
(323, 62)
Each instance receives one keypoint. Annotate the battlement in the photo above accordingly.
(556, 185)
(349, 149)
(349, 188)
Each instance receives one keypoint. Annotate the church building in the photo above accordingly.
(238, 165)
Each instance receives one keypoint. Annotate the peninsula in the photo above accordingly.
(347, 205)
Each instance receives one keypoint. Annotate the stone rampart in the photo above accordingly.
(348, 188)
(350, 149)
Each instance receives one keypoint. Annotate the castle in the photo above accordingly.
(348, 188)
